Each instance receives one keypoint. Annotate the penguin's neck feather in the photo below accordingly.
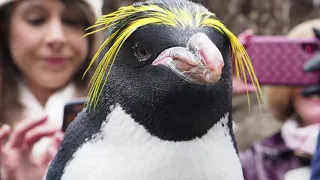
(169, 108)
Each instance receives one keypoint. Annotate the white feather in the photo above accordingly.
(125, 150)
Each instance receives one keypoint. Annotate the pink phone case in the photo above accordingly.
(279, 60)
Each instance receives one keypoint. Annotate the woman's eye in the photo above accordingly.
(36, 20)
(141, 53)
(74, 22)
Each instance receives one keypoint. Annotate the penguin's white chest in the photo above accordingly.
(124, 150)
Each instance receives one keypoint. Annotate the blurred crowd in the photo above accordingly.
(272, 142)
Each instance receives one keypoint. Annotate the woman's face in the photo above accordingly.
(46, 42)
(308, 108)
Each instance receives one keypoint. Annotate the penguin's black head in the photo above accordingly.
(195, 54)
(170, 66)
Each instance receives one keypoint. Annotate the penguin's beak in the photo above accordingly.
(200, 62)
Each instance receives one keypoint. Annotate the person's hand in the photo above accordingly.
(245, 36)
(17, 160)
(239, 86)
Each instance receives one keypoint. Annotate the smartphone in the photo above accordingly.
(71, 110)
(279, 60)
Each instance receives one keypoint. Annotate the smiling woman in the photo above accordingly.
(46, 45)
(43, 56)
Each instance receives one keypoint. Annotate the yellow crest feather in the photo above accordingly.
(240, 57)
(126, 21)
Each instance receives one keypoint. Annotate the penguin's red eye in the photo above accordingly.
(141, 53)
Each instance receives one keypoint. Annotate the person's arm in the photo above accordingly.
(314, 66)
(315, 165)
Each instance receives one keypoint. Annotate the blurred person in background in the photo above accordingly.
(288, 153)
(43, 56)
